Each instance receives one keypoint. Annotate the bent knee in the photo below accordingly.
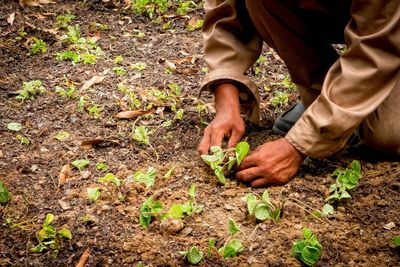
(381, 139)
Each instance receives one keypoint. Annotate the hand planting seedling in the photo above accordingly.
(5, 195)
(222, 160)
(193, 255)
(307, 250)
(149, 210)
(346, 180)
(50, 238)
(262, 209)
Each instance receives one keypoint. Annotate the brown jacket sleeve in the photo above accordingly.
(359, 81)
(231, 46)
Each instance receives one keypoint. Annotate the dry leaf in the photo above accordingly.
(25, 3)
(94, 80)
(191, 59)
(131, 114)
(63, 176)
(83, 259)
(91, 142)
(11, 18)
(170, 65)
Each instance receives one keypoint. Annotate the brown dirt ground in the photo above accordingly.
(353, 236)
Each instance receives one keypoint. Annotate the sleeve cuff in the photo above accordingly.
(249, 95)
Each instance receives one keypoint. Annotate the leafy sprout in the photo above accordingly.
(262, 208)
(5, 195)
(80, 164)
(30, 89)
(93, 194)
(149, 210)
(193, 255)
(221, 160)
(14, 126)
(146, 178)
(307, 250)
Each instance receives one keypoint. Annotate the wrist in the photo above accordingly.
(227, 97)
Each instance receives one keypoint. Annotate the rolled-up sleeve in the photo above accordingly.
(231, 46)
(359, 81)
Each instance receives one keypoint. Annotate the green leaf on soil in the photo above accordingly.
(80, 164)
(62, 135)
(14, 126)
(231, 249)
(146, 178)
(93, 194)
(148, 211)
(396, 240)
(327, 210)
(242, 149)
(194, 256)
(5, 195)
(65, 233)
(233, 227)
(110, 177)
(307, 250)
(22, 139)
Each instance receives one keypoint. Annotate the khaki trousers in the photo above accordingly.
(302, 32)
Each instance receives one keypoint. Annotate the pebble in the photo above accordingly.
(64, 205)
(106, 208)
(44, 150)
(389, 226)
(172, 226)
(85, 174)
(298, 226)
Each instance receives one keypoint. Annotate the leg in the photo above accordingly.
(381, 129)
(300, 32)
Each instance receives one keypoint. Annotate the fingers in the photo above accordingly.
(261, 182)
(248, 175)
(248, 162)
(216, 138)
(235, 138)
(205, 143)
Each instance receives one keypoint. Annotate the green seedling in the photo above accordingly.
(146, 178)
(118, 60)
(5, 195)
(232, 247)
(81, 104)
(66, 93)
(262, 208)
(280, 99)
(73, 35)
(345, 180)
(93, 194)
(139, 66)
(50, 238)
(94, 111)
(100, 26)
(149, 210)
(30, 89)
(193, 255)
(130, 95)
(21, 34)
(179, 114)
(178, 211)
(191, 27)
(285, 83)
(184, 7)
(62, 135)
(101, 166)
(138, 33)
(257, 66)
(307, 250)
(118, 183)
(69, 55)
(141, 135)
(119, 71)
(24, 140)
(80, 164)
(38, 46)
(396, 240)
(169, 173)
(62, 21)
(88, 58)
(14, 126)
(221, 160)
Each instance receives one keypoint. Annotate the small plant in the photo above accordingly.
(24, 140)
(221, 160)
(149, 210)
(62, 21)
(81, 104)
(50, 238)
(69, 55)
(80, 164)
(38, 46)
(345, 180)
(5, 195)
(141, 135)
(195, 26)
(280, 99)
(139, 66)
(101, 166)
(88, 58)
(94, 111)
(119, 71)
(62, 135)
(14, 126)
(146, 178)
(118, 60)
(262, 209)
(193, 255)
(178, 211)
(396, 240)
(73, 35)
(93, 194)
(232, 246)
(307, 250)
(66, 93)
(30, 89)
(111, 178)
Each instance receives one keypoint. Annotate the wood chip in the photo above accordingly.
(94, 80)
(82, 261)
(25, 3)
(63, 176)
(131, 114)
(11, 18)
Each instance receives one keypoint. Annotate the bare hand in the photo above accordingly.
(273, 163)
(227, 123)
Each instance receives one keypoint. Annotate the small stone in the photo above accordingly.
(106, 208)
(229, 207)
(389, 226)
(298, 226)
(64, 205)
(172, 226)
(127, 246)
(85, 174)
(34, 168)
(44, 150)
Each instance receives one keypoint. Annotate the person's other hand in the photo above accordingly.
(273, 163)
(227, 122)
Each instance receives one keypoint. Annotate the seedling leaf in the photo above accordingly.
(396, 240)
(5, 195)
(14, 126)
(327, 210)
(147, 178)
(242, 149)
(93, 194)
(232, 248)
(65, 233)
(80, 164)
(307, 250)
(194, 256)
(262, 211)
(233, 228)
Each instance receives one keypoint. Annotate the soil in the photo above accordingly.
(356, 235)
